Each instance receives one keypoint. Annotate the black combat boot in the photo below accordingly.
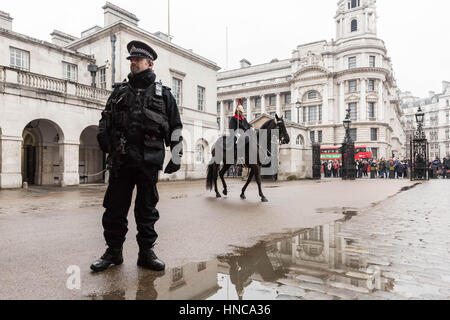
(112, 257)
(149, 260)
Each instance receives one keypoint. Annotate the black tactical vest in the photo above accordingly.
(140, 118)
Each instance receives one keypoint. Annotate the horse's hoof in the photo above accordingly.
(225, 192)
(218, 196)
(264, 200)
(243, 197)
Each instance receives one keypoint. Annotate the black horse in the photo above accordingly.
(252, 151)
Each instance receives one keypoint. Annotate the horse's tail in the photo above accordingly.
(210, 172)
(210, 176)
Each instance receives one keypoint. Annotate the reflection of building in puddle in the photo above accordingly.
(194, 281)
(316, 263)
(325, 256)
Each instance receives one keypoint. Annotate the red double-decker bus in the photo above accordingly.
(332, 153)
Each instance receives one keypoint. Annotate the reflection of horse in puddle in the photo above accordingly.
(251, 261)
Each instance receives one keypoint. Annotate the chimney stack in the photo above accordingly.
(62, 39)
(5, 21)
(113, 14)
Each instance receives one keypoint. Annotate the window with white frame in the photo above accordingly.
(320, 136)
(70, 72)
(218, 107)
(371, 85)
(371, 110)
(352, 86)
(312, 114)
(354, 25)
(230, 105)
(200, 153)
(305, 114)
(287, 98)
(19, 59)
(374, 134)
(201, 98)
(287, 115)
(353, 4)
(312, 95)
(272, 100)
(352, 62)
(447, 134)
(102, 77)
(177, 90)
(258, 102)
(353, 110)
(372, 61)
(312, 136)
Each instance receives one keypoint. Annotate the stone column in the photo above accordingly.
(10, 162)
(294, 100)
(380, 100)
(249, 109)
(362, 102)
(342, 107)
(325, 104)
(222, 117)
(69, 163)
(364, 23)
(331, 102)
(279, 112)
(263, 104)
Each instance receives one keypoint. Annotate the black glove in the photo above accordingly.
(172, 168)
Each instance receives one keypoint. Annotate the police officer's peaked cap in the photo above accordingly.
(139, 49)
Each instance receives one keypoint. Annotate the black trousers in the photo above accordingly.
(118, 201)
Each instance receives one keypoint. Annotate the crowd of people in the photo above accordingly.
(392, 168)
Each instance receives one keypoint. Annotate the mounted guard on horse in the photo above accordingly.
(245, 146)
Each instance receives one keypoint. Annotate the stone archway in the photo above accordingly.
(92, 160)
(40, 156)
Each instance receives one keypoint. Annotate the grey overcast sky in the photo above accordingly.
(416, 32)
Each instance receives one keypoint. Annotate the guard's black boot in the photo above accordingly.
(149, 260)
(112, 257)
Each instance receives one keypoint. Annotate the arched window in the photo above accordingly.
(354, 26)
(299, 141)
(200, 153)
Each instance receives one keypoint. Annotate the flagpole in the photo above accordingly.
(227, 47)
(168, 19)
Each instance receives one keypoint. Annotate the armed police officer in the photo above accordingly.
(140, 118)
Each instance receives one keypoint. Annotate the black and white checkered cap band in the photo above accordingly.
(141, 51)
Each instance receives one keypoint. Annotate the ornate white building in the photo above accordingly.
(437, 119)
(316, 86)
(50, 109)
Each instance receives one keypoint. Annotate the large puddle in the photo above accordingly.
(319, 263)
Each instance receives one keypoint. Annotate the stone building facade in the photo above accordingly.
(50, 102)
(437, 119)
(314, 88)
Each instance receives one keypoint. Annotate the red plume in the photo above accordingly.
(239, 102)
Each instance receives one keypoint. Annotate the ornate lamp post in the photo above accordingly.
(419, 150)
(348, 151)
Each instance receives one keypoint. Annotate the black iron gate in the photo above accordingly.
(317, 165)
